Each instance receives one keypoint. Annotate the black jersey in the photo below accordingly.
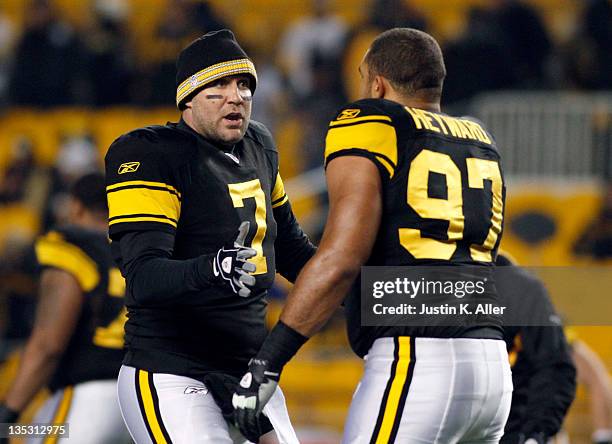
(543, 373)
(443, 194)
(95, 349)
(171, 179)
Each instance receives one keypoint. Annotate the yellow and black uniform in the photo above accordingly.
(95, 350)
(174, 199)
(443, 197)
(543, 372)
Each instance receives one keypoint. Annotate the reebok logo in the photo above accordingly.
(195, 390)
(128, 167)
(348, 114)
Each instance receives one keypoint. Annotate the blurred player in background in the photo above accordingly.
(406, 186)
(543, 372)
(76, 345)
(195, 290)
(594, 376)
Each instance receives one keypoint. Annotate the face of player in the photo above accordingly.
(221, 111)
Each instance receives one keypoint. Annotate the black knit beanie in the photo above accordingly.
(214, 55)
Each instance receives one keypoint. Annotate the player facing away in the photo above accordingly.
(76, 345)
(543, 372)
(407, 185)
(178, 195)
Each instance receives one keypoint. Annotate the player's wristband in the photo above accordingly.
(533, 438)
(279, 347)
(7, 414)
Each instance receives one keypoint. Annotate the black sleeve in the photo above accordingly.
(546, 363)
(553, 381)
(292, 246)
(152, 278)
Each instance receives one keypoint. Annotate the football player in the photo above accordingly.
(407, 185)
(543, 372)
(200, 223)
(76, 345)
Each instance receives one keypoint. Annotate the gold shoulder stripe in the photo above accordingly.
(52, 251)
(150, 202)
(376, 137)
(280, 202)
(345, 121)
(279, 189)
(132, 218)
(388, 166)
(142, 183)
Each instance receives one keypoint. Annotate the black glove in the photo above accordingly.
(533, 438)
(222, 387)
(7, 415)
(252, 394)
(230, 263)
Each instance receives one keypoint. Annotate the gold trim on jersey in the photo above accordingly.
(140, 202)
(395, 395)
(347, 121)
(143, 183)
(207, 75)
(279, 197)
(61, 413)
(52, 250)
(376, 137)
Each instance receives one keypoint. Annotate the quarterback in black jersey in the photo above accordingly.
(408, 185)
(178, 195)
(76, 346)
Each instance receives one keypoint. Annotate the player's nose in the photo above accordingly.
(234, 93)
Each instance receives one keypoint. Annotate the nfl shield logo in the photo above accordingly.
(194, 80)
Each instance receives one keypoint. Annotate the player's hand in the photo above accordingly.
(252, 394)
(231, 263)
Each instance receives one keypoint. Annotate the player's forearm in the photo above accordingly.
(151, 276)
(159, 281)
(38, 363)
(319, 291)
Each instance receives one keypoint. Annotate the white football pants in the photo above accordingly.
(91, 411)
(431, 390)
(161, 408)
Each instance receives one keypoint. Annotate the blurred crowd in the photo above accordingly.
(505, 44)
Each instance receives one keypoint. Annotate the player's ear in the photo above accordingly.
(378, 87)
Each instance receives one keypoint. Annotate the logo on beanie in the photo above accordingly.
(194, 80)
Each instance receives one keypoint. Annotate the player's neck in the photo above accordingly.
(413, 101)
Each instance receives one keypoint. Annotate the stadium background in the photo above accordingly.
(75, 74)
